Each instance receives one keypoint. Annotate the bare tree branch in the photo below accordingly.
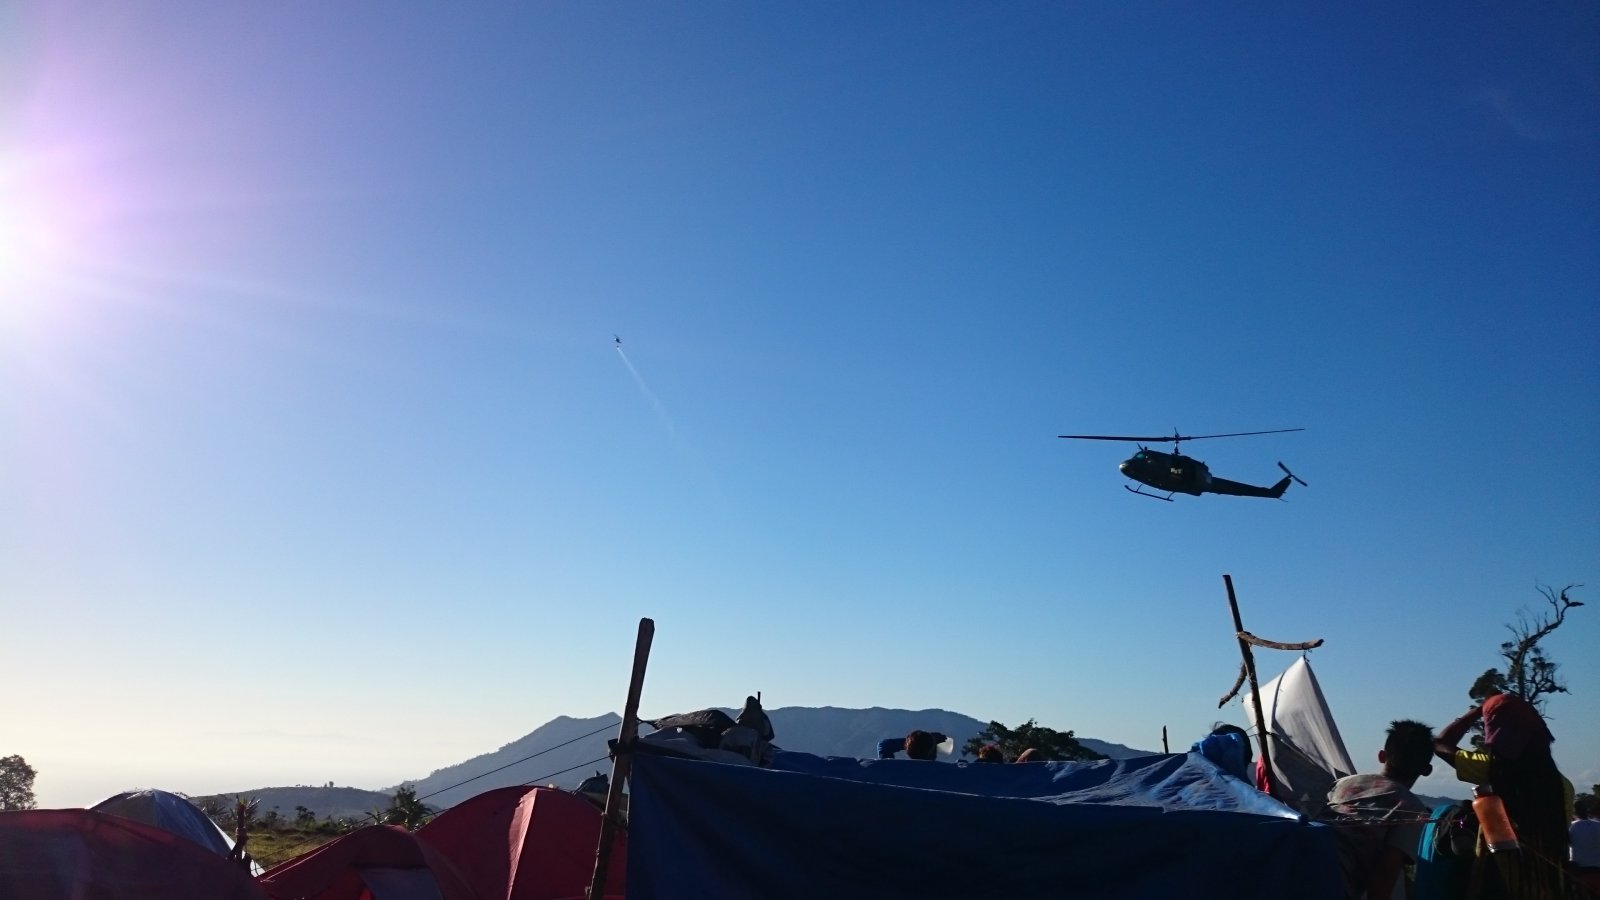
(1249, 638)
(1529, 673)
(1234, 691)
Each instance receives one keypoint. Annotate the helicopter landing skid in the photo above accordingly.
(1130, 490)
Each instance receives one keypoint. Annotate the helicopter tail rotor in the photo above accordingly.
(1292, 475)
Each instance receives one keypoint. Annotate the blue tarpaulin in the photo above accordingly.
(1156, 826)
(168, 811)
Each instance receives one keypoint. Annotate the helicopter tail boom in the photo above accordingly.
(1240, 489)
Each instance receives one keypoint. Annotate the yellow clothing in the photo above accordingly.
(1472, 766)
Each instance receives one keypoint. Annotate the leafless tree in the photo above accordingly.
(1529, 673)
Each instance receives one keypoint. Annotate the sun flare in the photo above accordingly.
(31, 237)
(46, 233)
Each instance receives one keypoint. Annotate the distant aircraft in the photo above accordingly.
(619, 340)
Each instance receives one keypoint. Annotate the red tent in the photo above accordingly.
(47, 854)
(382, 860)
(526, 843)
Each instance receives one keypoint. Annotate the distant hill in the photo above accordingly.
(562, 751)
(324, 802)
(824, 731)
(565, 750)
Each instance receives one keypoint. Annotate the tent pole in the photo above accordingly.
(621, 759)
(1255, 686)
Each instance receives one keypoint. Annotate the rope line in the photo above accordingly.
(565, 771)
(519, 762)
(376, 817)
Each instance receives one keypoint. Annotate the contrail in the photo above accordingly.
(697, 463)
(655, 402)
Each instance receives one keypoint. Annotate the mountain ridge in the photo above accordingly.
(566, 749)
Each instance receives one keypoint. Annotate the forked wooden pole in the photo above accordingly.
(1255, 685)
(621, 760)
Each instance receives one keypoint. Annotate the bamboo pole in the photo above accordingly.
(1255, 685)
(621, 760)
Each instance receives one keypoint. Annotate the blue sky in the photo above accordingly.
(320, 462)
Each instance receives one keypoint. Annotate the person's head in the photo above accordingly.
(1511, 727)
(1407, 752)
(1244, 738)
(991, 753)
(921, 745)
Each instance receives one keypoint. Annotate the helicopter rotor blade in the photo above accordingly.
(1297, 478)
(1174, 437)
(1201, 437)
(1116, 437)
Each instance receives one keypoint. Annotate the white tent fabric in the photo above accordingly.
(1308, 754)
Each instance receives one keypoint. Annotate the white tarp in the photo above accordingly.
(1307, 753)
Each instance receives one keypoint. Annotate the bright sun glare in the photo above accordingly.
(28, 243)
(36, 243)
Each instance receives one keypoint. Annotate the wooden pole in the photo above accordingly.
(1164, 740)
(1255, 685)
(621, 760)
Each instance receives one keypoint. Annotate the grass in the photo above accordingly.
(272, 847)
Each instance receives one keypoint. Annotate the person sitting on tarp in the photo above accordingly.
(991, 753)
(918, 744)
(1229, 747)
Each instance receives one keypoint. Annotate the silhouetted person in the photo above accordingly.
(1229, 747)
(1373, 860)
(1516, 764)
(918, 744)
(1585, 838)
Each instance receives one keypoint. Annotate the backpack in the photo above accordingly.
(1444, 861)
(1455, 835)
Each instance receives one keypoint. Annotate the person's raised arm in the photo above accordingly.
(1449, 737)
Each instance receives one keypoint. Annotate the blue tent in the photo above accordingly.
(170, 812)
(1154, 826)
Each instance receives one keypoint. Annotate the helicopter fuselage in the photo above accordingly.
(1179, 474)
(1171, 472)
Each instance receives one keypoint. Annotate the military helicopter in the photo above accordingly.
(1175, 473)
